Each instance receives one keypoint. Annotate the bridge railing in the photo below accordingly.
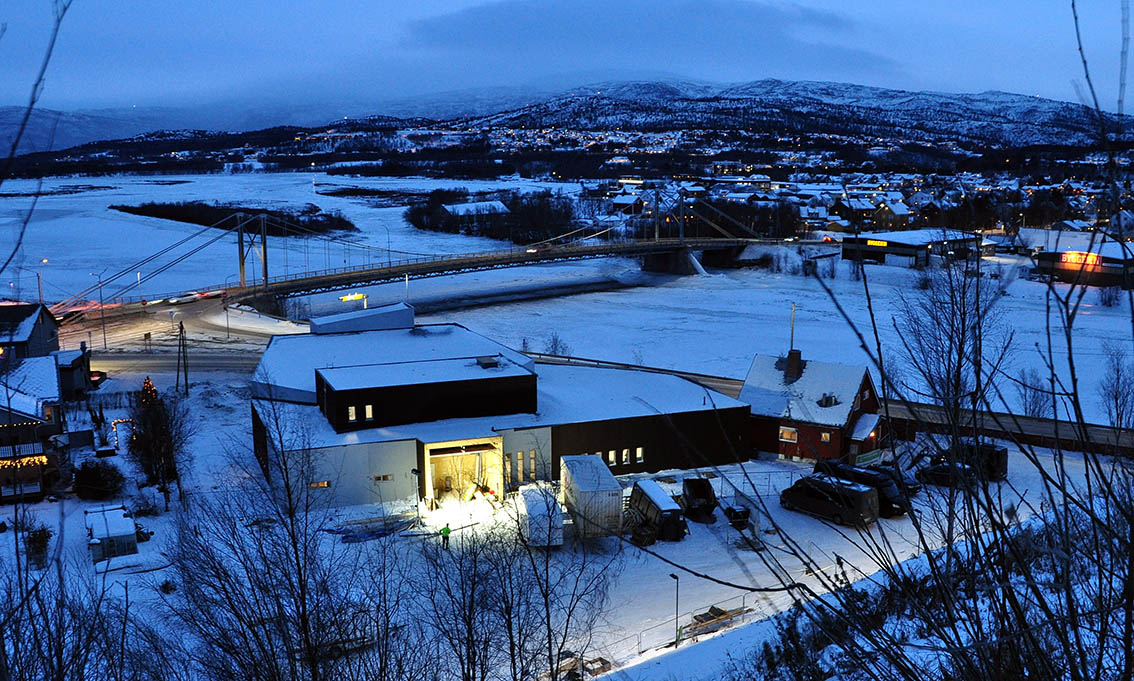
(407, 265)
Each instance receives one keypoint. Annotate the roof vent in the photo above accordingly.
(488, 362)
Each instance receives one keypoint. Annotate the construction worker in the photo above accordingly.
(445, 536)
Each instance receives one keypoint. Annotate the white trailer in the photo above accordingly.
(541, 521)
(592, 496)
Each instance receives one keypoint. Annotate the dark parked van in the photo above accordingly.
(659, 510)
(989, 460)
(891, 500)
(840, 501)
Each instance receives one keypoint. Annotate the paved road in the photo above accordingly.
(199, 362)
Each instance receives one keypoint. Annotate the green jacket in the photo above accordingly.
(445, 531)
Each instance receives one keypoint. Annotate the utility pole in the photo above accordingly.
(182, 358)
(264, 247)
(240, 245)
(101, 307)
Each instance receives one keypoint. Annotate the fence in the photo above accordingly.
(691, 625)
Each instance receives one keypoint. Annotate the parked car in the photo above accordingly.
(907, 483)
(989, 460)
(698, 499)
(891, 500)
(834, 499)
(948, 474)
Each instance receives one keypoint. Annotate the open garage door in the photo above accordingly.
(457, 470)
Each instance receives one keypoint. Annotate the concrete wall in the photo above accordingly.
(538, 439)
(351, 472)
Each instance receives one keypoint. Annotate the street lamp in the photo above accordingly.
(101, 307)
(39, 279)
(676, 608)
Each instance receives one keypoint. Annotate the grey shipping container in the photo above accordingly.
(592, 496)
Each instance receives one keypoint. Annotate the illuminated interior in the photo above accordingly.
(457, 469)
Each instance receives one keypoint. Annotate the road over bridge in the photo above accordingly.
(440, 265)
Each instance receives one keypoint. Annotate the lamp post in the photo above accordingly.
(676, 608)
(39, 279)
(101, 307)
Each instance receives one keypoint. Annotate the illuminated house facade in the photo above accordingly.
(804, 409)
(1107, 263)
(438, 411)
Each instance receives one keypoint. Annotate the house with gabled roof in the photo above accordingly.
(27, 330)
(807, 409)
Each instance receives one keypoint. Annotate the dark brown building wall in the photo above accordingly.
(425, 402)
(686, 440)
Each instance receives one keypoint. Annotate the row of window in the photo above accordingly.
(324, 484)
(367, 410)
(515, 463)
(792, 435)
(614, 459)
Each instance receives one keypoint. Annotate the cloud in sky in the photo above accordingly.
(297, 53)
(721, 40)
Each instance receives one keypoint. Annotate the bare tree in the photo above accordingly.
(1116, 387)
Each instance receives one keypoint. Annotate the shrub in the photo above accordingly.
(36, 541)
(144, 506)
(98, 480)
(1109, 296)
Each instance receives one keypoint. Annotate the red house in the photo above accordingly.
(812, 410)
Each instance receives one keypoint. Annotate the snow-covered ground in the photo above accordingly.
(79, 235)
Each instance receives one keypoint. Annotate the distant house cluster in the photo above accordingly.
(36, 379)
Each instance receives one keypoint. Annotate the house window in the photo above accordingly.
(788, 434)
(322, 484)
(531, 471)
(519, 466)
(383, 478)
(639, 455)
(369, 411)
(625, 457)
(508, 468)
(610, 458)
(825, 437)
(866, 394)
(352, 413)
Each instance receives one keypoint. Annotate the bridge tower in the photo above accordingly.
(242, 252)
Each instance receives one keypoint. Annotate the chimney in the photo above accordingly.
(794, 367)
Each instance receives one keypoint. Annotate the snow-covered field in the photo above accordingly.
(79, 235)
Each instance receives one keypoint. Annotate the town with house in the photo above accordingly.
(634, 379)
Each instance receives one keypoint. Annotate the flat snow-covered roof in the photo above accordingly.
(565, 394)
(917, 237)
(287, 367)
(423, 371)
(590, 473)
(109, 522)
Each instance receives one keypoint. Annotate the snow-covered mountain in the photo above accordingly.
(813, 107)
(773, 106)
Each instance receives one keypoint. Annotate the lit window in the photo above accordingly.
(610, 458)
(322, 484)
(352, 413)
(825, 437)
(788, 434)
(639, 455)
(531, 471)
(625, 457)
(383, 478)
(508, 469)
(519, 466)
(369, 411)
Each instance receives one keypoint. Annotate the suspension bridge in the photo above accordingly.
(251, 233)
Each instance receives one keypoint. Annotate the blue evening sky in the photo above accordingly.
(116, 53)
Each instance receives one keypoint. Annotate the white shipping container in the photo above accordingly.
(592, 496)
(541, 522)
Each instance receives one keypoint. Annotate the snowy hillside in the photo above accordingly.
(813, 107)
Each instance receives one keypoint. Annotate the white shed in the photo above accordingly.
(110, 532)
(592, 495)
(541, 521)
